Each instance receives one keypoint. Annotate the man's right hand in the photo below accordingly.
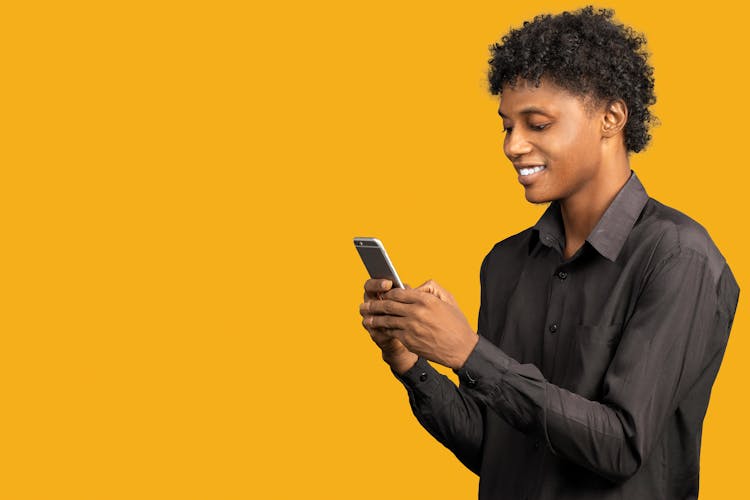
(394, 353)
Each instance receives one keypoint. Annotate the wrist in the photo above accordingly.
(402, 362)
(469, 346)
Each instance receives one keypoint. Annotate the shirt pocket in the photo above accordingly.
(592, 348)
(598, 334)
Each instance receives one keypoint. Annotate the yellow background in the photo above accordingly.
(181, 183)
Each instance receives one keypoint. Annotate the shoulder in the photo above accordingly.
(507, 256)
(512, 247)
(683, 248)
(673, 234)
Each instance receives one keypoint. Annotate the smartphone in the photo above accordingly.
(376, 260)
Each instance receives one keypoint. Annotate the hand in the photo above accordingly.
(394, 353)
(428, 324)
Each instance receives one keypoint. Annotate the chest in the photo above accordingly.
(565, 317)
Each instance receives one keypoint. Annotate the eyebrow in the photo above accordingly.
(528, 111)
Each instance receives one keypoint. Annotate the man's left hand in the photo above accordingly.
(426, 320)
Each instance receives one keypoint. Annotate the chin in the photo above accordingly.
(537, 198)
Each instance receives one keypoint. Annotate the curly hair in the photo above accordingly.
(586, 53)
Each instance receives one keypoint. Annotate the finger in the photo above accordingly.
(429, 286)
(379, 340)
(374, 286)
(375, 333)
(433, 288)
(381, 335)
(384, 322)
(390, 307)
(410, 296)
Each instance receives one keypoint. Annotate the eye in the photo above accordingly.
(539, 127)
(507, 130)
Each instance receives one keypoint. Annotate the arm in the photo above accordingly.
(676, 335)
(450, 414)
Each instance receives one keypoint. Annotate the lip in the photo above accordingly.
(528, 179)
(528, 164)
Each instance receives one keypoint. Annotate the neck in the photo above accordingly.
(582, 210)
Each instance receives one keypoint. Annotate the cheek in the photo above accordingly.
(576, 145)
(573, 138)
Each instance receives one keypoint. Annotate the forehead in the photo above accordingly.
(547, 98)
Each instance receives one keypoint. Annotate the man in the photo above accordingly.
(602, 327)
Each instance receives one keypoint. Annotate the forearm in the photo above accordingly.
(589, 433)
(611, 437)
(446, 411)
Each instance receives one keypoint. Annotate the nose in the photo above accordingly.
(515, 144)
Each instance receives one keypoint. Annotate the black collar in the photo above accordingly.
(609, 234)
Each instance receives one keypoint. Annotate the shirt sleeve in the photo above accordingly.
(450, 413)
(676, 335)
(447, 412)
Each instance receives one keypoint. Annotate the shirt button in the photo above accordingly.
(422, 377)
(562, 275)
(553, 327)
(536, 444)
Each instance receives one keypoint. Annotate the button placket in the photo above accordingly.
(553, 320)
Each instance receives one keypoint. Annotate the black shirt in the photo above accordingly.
(592, 375)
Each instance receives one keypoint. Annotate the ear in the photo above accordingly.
(614, 119)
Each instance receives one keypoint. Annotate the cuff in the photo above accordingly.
(484, 368)
(417, 375)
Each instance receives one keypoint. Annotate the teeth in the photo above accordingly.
(532, 170)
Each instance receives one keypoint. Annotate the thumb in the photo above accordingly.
(430, 286)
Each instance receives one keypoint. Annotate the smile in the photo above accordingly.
(527, 175)
(532, 170)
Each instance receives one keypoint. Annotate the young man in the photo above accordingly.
(602, 327)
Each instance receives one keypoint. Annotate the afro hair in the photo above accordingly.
(586, 53)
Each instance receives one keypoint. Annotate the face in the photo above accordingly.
(553, 141)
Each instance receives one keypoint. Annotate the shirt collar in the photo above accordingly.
(610, 233)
